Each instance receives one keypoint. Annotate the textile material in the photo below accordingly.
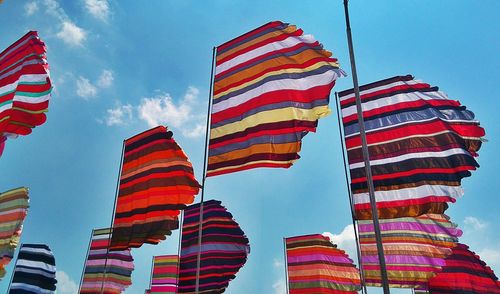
(25, 86)
(156, 181)
(421, 145)
(415, 249)
(464, 272)
(113, 273)
(14, 206)
(224, 249)
(315, 265)
(35, 270)
(271, 86)
(164, 279)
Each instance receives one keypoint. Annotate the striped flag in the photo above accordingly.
(224, 249)
(25, 86)
(164, 274)
(110, 271)
(156, 181)
(13, 209)
(271, 86)
(421, 145)
(35, 270)
(315, 265)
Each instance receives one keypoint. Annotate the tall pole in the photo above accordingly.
(112, 218)
(152, 270)
(179, 250)
(286, 265)
(85, 262)
(366, 156)
(14, 269)
(205, 159)
(351, 201)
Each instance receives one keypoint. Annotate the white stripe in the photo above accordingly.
(30, 288)
(17, 210)
(36, 272)
(275, 46)
(36, 250)
(5, 107)
(36, 264)
(383, 87)
(414, 155)
(283, 84)
(411, 193)
(32, 100)
(29, 78)
(395, 99)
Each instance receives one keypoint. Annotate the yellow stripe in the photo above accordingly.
(251, 163)
(284, 148)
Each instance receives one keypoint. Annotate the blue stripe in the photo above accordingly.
(248, 39)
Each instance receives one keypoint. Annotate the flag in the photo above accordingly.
(35, 270)
(421, 144)
(271, 86)
(13, 209)
(110, 271)
(25, 86)
(156, 181)
(224, 249)
(164, 274)
(315, 265)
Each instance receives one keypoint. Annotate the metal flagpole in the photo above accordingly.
(85, 262)
(366, 156)
(286, 265)
(14, 269)
(113, 217)
(179, 248)
(151, 276)
(351, 202)
(207, 137)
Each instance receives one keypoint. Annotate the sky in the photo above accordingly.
(121, 67)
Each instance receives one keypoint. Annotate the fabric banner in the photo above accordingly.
(164, 274)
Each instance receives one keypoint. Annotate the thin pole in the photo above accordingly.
(151, 276)
(207, 137)
(286, 265)
(349, 193)
(14, 269)
(179, 250)
(112, 218)
(85, 262)
(366, 155)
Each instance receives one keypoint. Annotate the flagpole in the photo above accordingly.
(14, 269)
(112, 217)
(151, 276)
(366, 155)
(286, 265)
(85, 262)
(207, 137)
(179, 249)
(349, 193)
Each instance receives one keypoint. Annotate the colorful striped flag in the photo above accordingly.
(421, 145)
(415, 249)
(315, 265)
(156, 181)
(271, 86)
(14, 206)
(224, 249)
(110, 271)
(164, 274)
(35, 270)
(25, 86)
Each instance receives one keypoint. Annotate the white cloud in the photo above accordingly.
(105, 79)
(198, 131)
(71, 34)
(84, 88)
(279, 287)
(98, 8)
(475, 223)
(30, 8)
(345, 241)
(118, 115)
(52, 8)
(490, 256)
(65, 285)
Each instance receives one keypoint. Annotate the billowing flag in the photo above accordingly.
(164, 274)
(271, 86)
(156, 181)
(415, 249)
(224, 249)
(109, 271)
(25, 86)
(35, 270)
(13, 209)
(315, 265)
(421, 145)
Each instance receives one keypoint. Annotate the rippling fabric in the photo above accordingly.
(164, 274)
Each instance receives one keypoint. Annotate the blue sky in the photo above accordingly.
(120, 67)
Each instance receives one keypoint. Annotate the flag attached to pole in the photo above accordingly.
(271, 86)
(35, 270)
(164, 274)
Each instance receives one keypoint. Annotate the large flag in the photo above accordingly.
(25, 87)
(224, 249)
(109, 271)
(13, 209)
(164, 274)
(271, 86)
(156, 181)
(415, 249)
(35, 270)
(421, 145)
(315, 265)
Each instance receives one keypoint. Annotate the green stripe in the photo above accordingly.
(34, 94)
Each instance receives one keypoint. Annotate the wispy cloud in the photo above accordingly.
(84, 88)
(65, 285)
(105, 79)
(279, 286)
(69, 32)
(475, 223)
(482, 239)
(30, 8)
(119, 115)
(345, 240)
(98, 8)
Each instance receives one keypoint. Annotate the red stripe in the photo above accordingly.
(250, 34)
